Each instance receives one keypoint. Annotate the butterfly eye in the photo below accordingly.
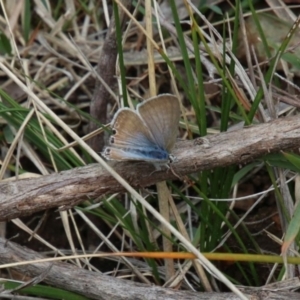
(114, 131)
(172, 158)
(107, 151)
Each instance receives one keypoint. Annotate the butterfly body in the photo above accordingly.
(147, 134)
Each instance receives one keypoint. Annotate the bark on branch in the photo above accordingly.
(68, 188)
(101, 287)
(90, 284)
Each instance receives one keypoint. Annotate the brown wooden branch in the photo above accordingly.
(101, 287)
(90, 284)
(68, 188)
(106, 70)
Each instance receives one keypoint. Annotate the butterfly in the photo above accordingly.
(147, 133)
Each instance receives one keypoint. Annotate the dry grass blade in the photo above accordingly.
(14, 144)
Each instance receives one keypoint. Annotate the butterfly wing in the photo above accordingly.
(129, 130)
(154, 156)
(161, 114)
(132, 139)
